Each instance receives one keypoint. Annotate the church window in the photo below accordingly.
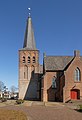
(54, 85)
(28, 59)
(23, 59)
(24, 75)
(33, 71)
(34, 60)
(77, 74)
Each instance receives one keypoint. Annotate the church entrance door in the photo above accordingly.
(75, 94)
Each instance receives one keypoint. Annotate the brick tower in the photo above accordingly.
(28, 65)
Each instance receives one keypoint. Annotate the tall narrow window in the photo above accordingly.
(23, 59)
(28, 59)
(33, 71)
(54, 85)
(25, 72)
(77, 74)
(34, 60)
(24, 75)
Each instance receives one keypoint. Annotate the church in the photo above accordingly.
(58, 79)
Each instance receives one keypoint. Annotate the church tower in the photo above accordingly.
(28, 65)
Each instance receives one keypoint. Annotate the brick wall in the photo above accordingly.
(70, 83)
(28, 74)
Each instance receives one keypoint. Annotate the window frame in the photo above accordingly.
(77, 75)
(54, 83)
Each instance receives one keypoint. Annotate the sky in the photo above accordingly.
(57, 27)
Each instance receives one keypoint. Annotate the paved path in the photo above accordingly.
(57, 112)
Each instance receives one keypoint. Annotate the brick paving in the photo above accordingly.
(57, 112)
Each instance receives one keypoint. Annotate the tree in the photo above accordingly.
(13, 89)
(1, 86)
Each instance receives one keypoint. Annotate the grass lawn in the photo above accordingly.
(12, 115)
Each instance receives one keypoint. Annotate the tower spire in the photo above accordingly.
(29, 40)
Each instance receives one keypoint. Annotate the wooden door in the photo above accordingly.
(73, 94)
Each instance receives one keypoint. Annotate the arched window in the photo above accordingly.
(77, 74)
(54, 85)
(34, 60)
(28, 59)
(25, 72)
(23, 59)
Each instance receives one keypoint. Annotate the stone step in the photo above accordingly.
(53, 104)
(39, 103)
(35, 103)
(76, 101)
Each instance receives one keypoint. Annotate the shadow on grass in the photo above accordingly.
(78, 110)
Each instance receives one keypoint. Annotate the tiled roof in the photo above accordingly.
(57, 62)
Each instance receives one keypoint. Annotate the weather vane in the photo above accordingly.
(29, 11)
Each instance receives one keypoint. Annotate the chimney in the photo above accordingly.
(76, 53)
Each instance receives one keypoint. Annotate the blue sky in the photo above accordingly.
(57, 27)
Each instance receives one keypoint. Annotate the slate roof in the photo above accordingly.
(29, 40)
(57, 62)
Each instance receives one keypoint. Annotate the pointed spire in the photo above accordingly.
(29, 41)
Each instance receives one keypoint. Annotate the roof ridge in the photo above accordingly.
(59, 56)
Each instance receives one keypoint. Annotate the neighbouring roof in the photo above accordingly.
(57, 62)
(29, 40)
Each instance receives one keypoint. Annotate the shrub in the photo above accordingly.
(3, 99)
(80, 108)
(20, 101)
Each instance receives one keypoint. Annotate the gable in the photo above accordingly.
(77, 63)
